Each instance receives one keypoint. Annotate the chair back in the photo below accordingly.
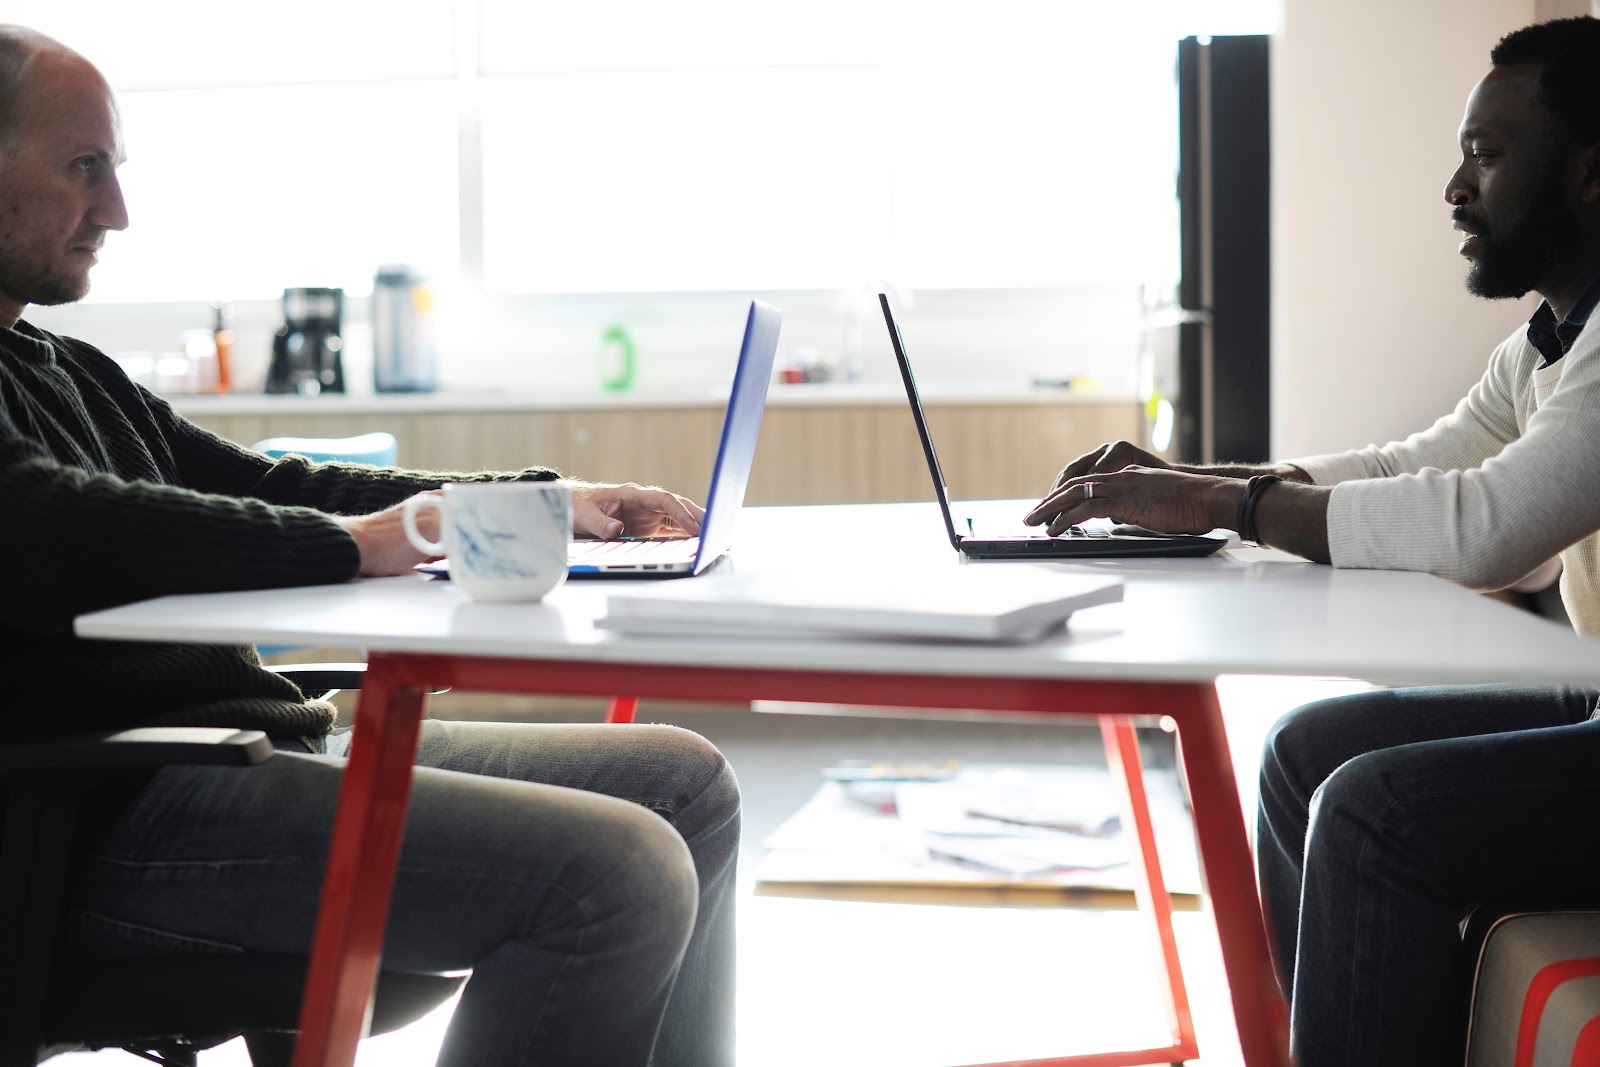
(1536, 993)
(57, 1000)
(378, 449)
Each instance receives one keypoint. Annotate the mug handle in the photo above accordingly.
(408, 518)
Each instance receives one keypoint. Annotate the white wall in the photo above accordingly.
(1374, 335)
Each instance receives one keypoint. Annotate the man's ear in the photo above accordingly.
(1588, 163)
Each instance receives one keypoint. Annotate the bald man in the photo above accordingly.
(584, 874)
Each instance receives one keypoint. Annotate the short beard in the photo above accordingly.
(1521, 260)
(49, 291)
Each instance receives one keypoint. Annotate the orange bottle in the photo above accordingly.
(224, 339)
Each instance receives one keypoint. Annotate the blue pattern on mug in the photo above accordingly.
(509, 540)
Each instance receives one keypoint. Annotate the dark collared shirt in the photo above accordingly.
(1553, 339)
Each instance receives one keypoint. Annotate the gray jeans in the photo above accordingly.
(585, 874)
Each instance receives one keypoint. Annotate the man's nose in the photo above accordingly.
(109, 209)
(1459, 190)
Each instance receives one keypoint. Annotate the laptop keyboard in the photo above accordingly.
(1038, 533)
(632, 551)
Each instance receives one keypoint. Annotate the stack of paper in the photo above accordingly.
(933, 836)
(1009, 603)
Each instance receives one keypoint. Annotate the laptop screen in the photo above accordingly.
(740, 427)
(939, 489)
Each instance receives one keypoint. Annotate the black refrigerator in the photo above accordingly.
(1206, 347)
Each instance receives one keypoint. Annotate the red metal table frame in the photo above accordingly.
(372, 806)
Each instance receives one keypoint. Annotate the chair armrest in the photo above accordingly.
(327, 679)
(143, 746)
(318, 679)
(44, 787)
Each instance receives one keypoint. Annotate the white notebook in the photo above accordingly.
(1008, 603)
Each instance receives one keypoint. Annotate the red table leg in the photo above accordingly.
(622, 709)
(1219, 824)
(1150, 887)
(355, 890)
(1150, 891)
(345, 958)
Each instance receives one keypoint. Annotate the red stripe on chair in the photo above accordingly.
(1540, 990)
(621, 709)
(1587, 1048)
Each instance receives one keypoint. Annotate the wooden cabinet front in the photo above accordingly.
(846, 454)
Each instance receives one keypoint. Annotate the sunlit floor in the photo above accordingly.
(905, 985)
(889, 985)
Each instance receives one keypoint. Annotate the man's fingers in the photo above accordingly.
(669, 513)
(596, 523)
(684, 514)
(1106, 458)
(1045, 508)
(1069, 505)
(1079, 467)
(614, 510)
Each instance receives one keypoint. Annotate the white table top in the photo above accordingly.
(1244, 611)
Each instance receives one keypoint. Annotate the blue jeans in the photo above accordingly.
(585, 874)
(1385, 817)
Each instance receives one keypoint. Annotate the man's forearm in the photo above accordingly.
(1294, 517)
(1287, 471)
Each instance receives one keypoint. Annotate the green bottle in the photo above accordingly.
(617, 360)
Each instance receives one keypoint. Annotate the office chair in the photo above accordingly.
(164, 1009)
(1536, 987)
(377, 449)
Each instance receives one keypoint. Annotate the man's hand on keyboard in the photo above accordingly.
(630, 510)
(1156, 498)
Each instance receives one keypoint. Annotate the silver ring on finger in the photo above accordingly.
(1088, 490)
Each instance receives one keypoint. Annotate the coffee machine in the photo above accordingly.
(305, 350)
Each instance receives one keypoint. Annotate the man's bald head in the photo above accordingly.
(19, 47)
(60, 147)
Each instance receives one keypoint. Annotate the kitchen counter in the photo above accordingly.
(824, 443)
(831, 394)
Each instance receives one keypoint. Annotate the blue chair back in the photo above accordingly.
(377, 449)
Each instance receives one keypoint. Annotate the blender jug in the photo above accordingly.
(404, 351)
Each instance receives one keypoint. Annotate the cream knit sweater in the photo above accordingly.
(1492, 490)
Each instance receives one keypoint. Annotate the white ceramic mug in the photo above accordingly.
(506, 540)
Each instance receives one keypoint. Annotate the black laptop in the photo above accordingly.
(1078, 542)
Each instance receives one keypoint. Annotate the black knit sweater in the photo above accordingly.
(109, 496)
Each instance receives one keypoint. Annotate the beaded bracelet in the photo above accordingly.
(1245, 525)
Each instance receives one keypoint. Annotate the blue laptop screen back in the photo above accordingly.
(740, 428)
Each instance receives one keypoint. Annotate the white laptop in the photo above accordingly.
(677, 557)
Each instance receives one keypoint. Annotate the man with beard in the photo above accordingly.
(1385, 817)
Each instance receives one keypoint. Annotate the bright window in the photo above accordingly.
(675, 180)
(239, 193)
(639, 146)
(172, 44)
